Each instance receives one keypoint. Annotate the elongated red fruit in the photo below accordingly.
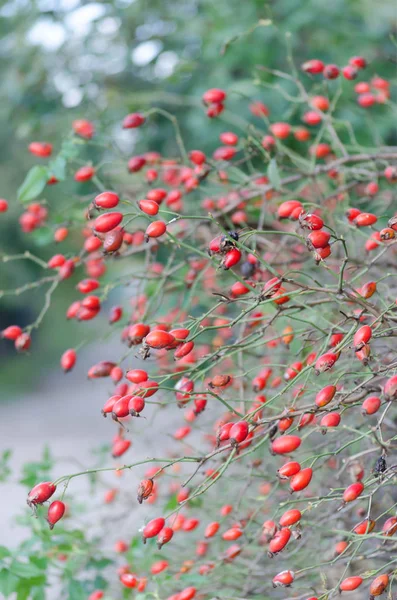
(56, 511)
(280, 540)
(68, 360)
(155, 229)
(353, 491)
(325, 395)
(286, 444)
(301, 480)
(107, 221)
(289, 469)
(362, 337)
(106, 200)
(290, 517)
(159, 339)
(350, 583)
(40, 493)
(153, 528)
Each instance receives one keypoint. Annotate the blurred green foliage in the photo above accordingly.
(68, 59)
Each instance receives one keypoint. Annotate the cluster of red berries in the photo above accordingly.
(274, 323)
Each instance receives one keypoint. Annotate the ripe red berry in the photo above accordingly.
(11, 333)
(301, 480)
(349, 72)
(289, 469)
(40, 493)
(22, 343)
(153, 528)
(358, 61)
(390, 388)
(84, 174)
(224, 153)
(280, 130)
(331, 72)
(107, 222)
(312, 118)
(155, 229)
(311, 221)
(364, 527)
(231, 258)
(362, 337)
(136, 163)
(330, 420)
(96, 595)
(197, 157)
(314, 66)
(187, 594)
(284, 579)
(137, 375)
(318, 239)
(133, 120)
(229, 138)
(68, 360)
(116, 312)
(159, 339)
(120, 447)
(390, 173)
(350, 583)
(149, 207)
(136, 405)
(232, 534)
(182, 432)
(56, 511)
(286, 444)
(128, 580)
(214, 96)
(286, 209)
(164, 536)
(106, 200)
(280, 540)
(365, 220)
(325, 395)
(83, 128)
(352, 492)
(211, 529)
(325, 362)
(238, 432)
(3, 205)
(290, 517)
(366, 100)
(108, 406)
(370, 405)
(40, 149)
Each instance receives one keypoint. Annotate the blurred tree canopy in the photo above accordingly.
(68, 59)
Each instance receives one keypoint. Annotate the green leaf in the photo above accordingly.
(172, 504)
(57, 168)
(4, 552)
(76, 590)
(8, 582)
(70, 148)
(5, 469)
(26, 570)
(27, 586)
(273, 174)
(42, 236)
(34, 184)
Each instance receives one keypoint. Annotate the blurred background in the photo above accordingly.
(67, 59)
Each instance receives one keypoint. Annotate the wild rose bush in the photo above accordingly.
(263, 320)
